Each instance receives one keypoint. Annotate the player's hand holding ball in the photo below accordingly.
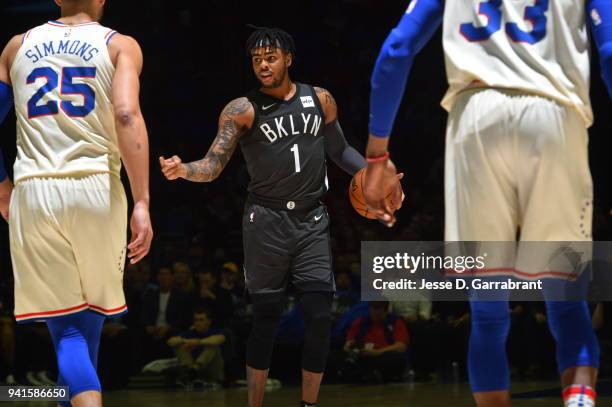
(173, 167)
(376, 191)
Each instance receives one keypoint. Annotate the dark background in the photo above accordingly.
(195, 63)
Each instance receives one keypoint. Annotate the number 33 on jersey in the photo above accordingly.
(538, 46)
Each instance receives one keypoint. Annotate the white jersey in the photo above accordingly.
(62, 78)
(537, 46)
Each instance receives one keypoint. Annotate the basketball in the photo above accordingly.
(357, 198)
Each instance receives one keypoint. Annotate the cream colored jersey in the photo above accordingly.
(62, 78)
(537, 46)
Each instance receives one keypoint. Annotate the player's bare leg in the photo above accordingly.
(256, 382)
(87, 399)
(311, 383)
(586, 375)
(492, 398)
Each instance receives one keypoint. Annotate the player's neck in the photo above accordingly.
(72, 17)
(283, 92)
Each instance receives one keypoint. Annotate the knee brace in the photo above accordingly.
(570, 324)
(316, 307)
(76, 338)
(266, 316)
(487, 362)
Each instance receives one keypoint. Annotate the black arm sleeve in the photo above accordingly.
(340, 151)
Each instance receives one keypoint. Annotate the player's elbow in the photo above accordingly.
(126, 117)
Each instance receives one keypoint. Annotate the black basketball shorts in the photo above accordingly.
(284, 246)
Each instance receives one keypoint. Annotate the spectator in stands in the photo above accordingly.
(165, 312)
(426, 334)
(198, 350)
(217, 299)
(116, 340)
(183, 279)
(231, 283)
(346, 296)
(378, 342)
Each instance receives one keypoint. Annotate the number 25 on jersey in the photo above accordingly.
(68, 87)
(491, 9)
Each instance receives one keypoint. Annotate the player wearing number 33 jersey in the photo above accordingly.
(516, 152)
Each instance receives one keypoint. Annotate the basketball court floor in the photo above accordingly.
(541, 394)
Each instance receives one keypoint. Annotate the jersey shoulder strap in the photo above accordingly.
(309, 90)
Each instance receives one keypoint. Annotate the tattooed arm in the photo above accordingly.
(345, 156)
(235, 120)
(328, 103)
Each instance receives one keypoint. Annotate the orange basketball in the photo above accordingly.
(357, 198)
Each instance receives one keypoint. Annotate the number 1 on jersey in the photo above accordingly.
(296, 155)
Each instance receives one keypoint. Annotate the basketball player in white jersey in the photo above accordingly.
(75, 85)
(516, 151)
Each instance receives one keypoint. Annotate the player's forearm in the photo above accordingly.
(204, 170)
(215, 340)
(377, 146)
(175, 341)
(134, 147)
(6, 187)
(395, 60)
(345, 156)
(396, 347)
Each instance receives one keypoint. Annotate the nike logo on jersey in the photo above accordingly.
(318, 218)
(290, 125)
(267, 107)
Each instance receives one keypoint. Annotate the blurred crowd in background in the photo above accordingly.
(189, 290)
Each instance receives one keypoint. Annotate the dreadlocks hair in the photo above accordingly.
(270, 38)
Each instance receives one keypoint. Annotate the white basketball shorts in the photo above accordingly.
(68, 246)
(516, 165)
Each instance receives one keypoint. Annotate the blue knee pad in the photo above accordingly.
(570, 324)
(76, 338)
(487, 361)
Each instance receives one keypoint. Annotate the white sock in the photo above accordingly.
(579, 395)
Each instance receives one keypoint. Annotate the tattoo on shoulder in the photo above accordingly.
(325, 95)
(236, 107)
(223, 146)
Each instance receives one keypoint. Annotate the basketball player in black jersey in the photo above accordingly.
(285, 129)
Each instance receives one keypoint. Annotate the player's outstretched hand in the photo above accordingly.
(172, 168)
(382, 180)
(6, 189)
(142, 233)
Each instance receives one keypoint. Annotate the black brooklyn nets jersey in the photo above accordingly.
(284, 149)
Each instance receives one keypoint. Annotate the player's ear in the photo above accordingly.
(59, 3)
(288, 59)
